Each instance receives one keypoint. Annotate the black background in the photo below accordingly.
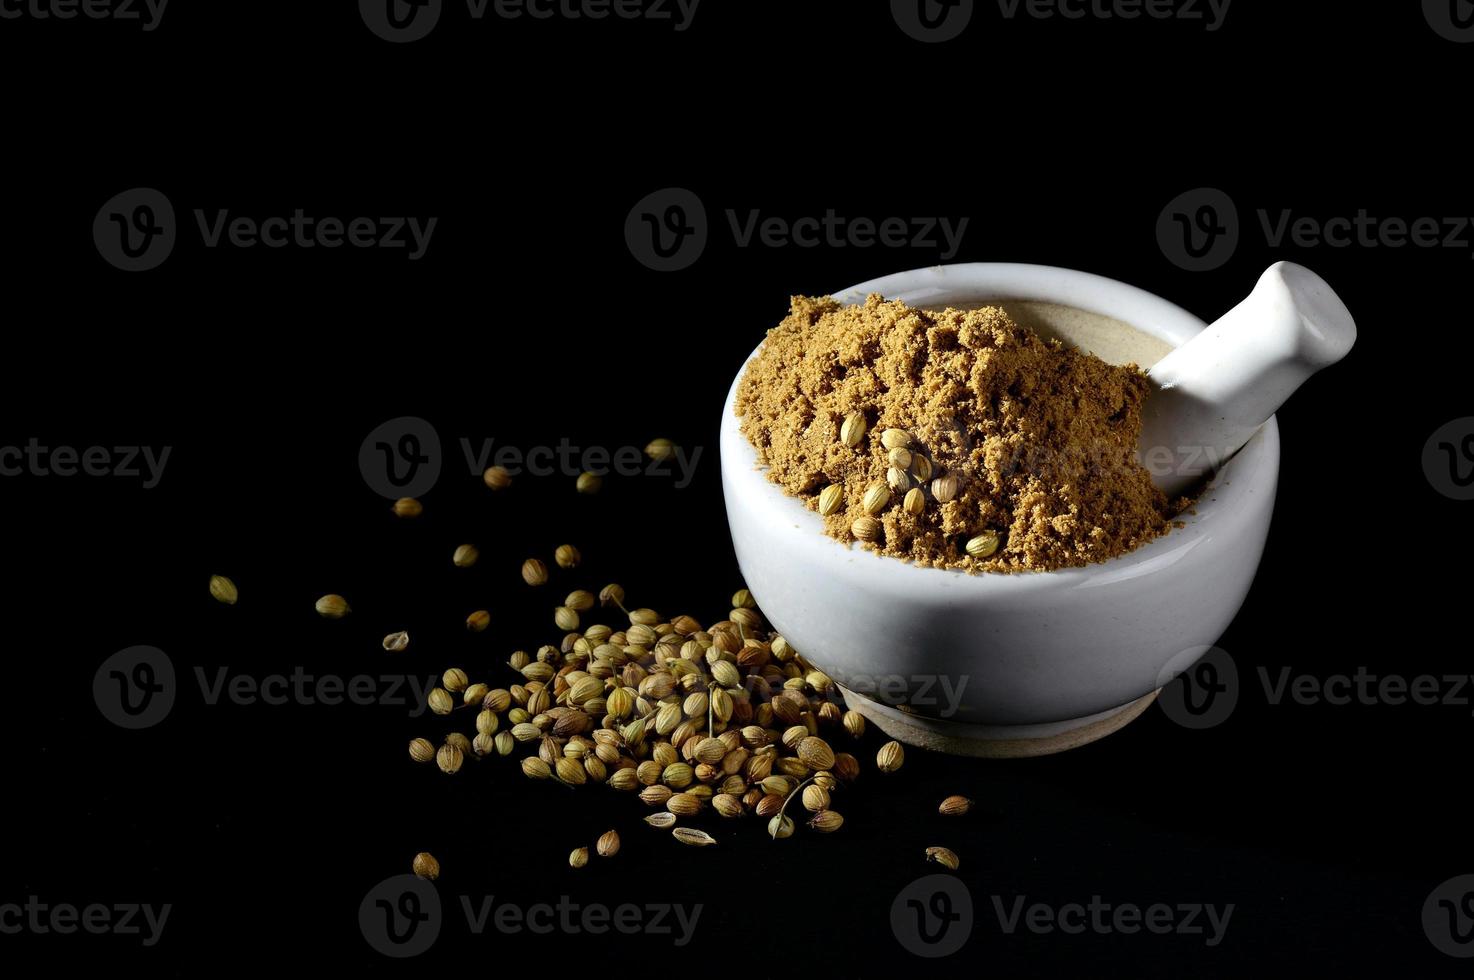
(529, 321)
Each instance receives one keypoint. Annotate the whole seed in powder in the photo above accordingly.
(953, 439)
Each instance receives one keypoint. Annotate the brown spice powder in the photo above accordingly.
(1041, 437)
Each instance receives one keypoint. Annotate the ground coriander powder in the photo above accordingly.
(1023, 447)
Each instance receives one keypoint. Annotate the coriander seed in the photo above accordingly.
(890, 756)
(661, 821)
(396, 642)
(567, 556)
(497, 477)
(826, 821)
(332, 607)
(815, 798)
(866, 529)
(921, 467)
(943, 856)
(955, 806)
(223, 590)
(660, 449)
(440, 701)
(983, 545)
(852, 430)
(915, 502)
(608, 844)
(454, 680)
(408, 507)
(895, 438)
(425, 866)
(579, 601)
(900, 458)
(780, 826)
(830, 499)
(465, 556)
(898, 479)
(854, 723)
(944, 487)
(565, 618)
(420, 750)
(693, 837)
(449, 759)
(534, 572)
(877, 495)
(588, 483)
(579, 857)
(612, 595)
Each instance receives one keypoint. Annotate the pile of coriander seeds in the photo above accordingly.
(726, 720)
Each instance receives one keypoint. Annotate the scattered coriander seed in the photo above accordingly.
(915, 502)
(895, 438)
(660, 449)
(483, 745)
(408, 507)
(589, 483)
(943, 856)
(425, 866)
(449, 758)
(644, 617)
(486, 722)
(897, 479)
(661, 821)
(900, 458)
(693, 837)
(579, 857)
(475, 694)
(535, 768)
(612, 595)
(465, 556)
(223, 590)
(534, 572)
(420, 750)
(567, 556)
(830, 499)
(890, 757)
(866, 529)
(504, 743)
(854, 723)
(921, 466)
(497, 477)
(460, 742)
(944, 487)
(852, 430)
(955, 806)
(815, 753)
(478, 621)
(608, 844)
(565, 618)
(983, 545)
(846, 766)
(780, 826)
(877, 495)
(332, 607)
(396, 642)
(826, 821)
(440, 701)
(742, 599)
(454, 680)
(727, 805)
(815, 798)
(579, 601)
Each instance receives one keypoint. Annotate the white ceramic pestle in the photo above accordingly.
(1215, 391)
